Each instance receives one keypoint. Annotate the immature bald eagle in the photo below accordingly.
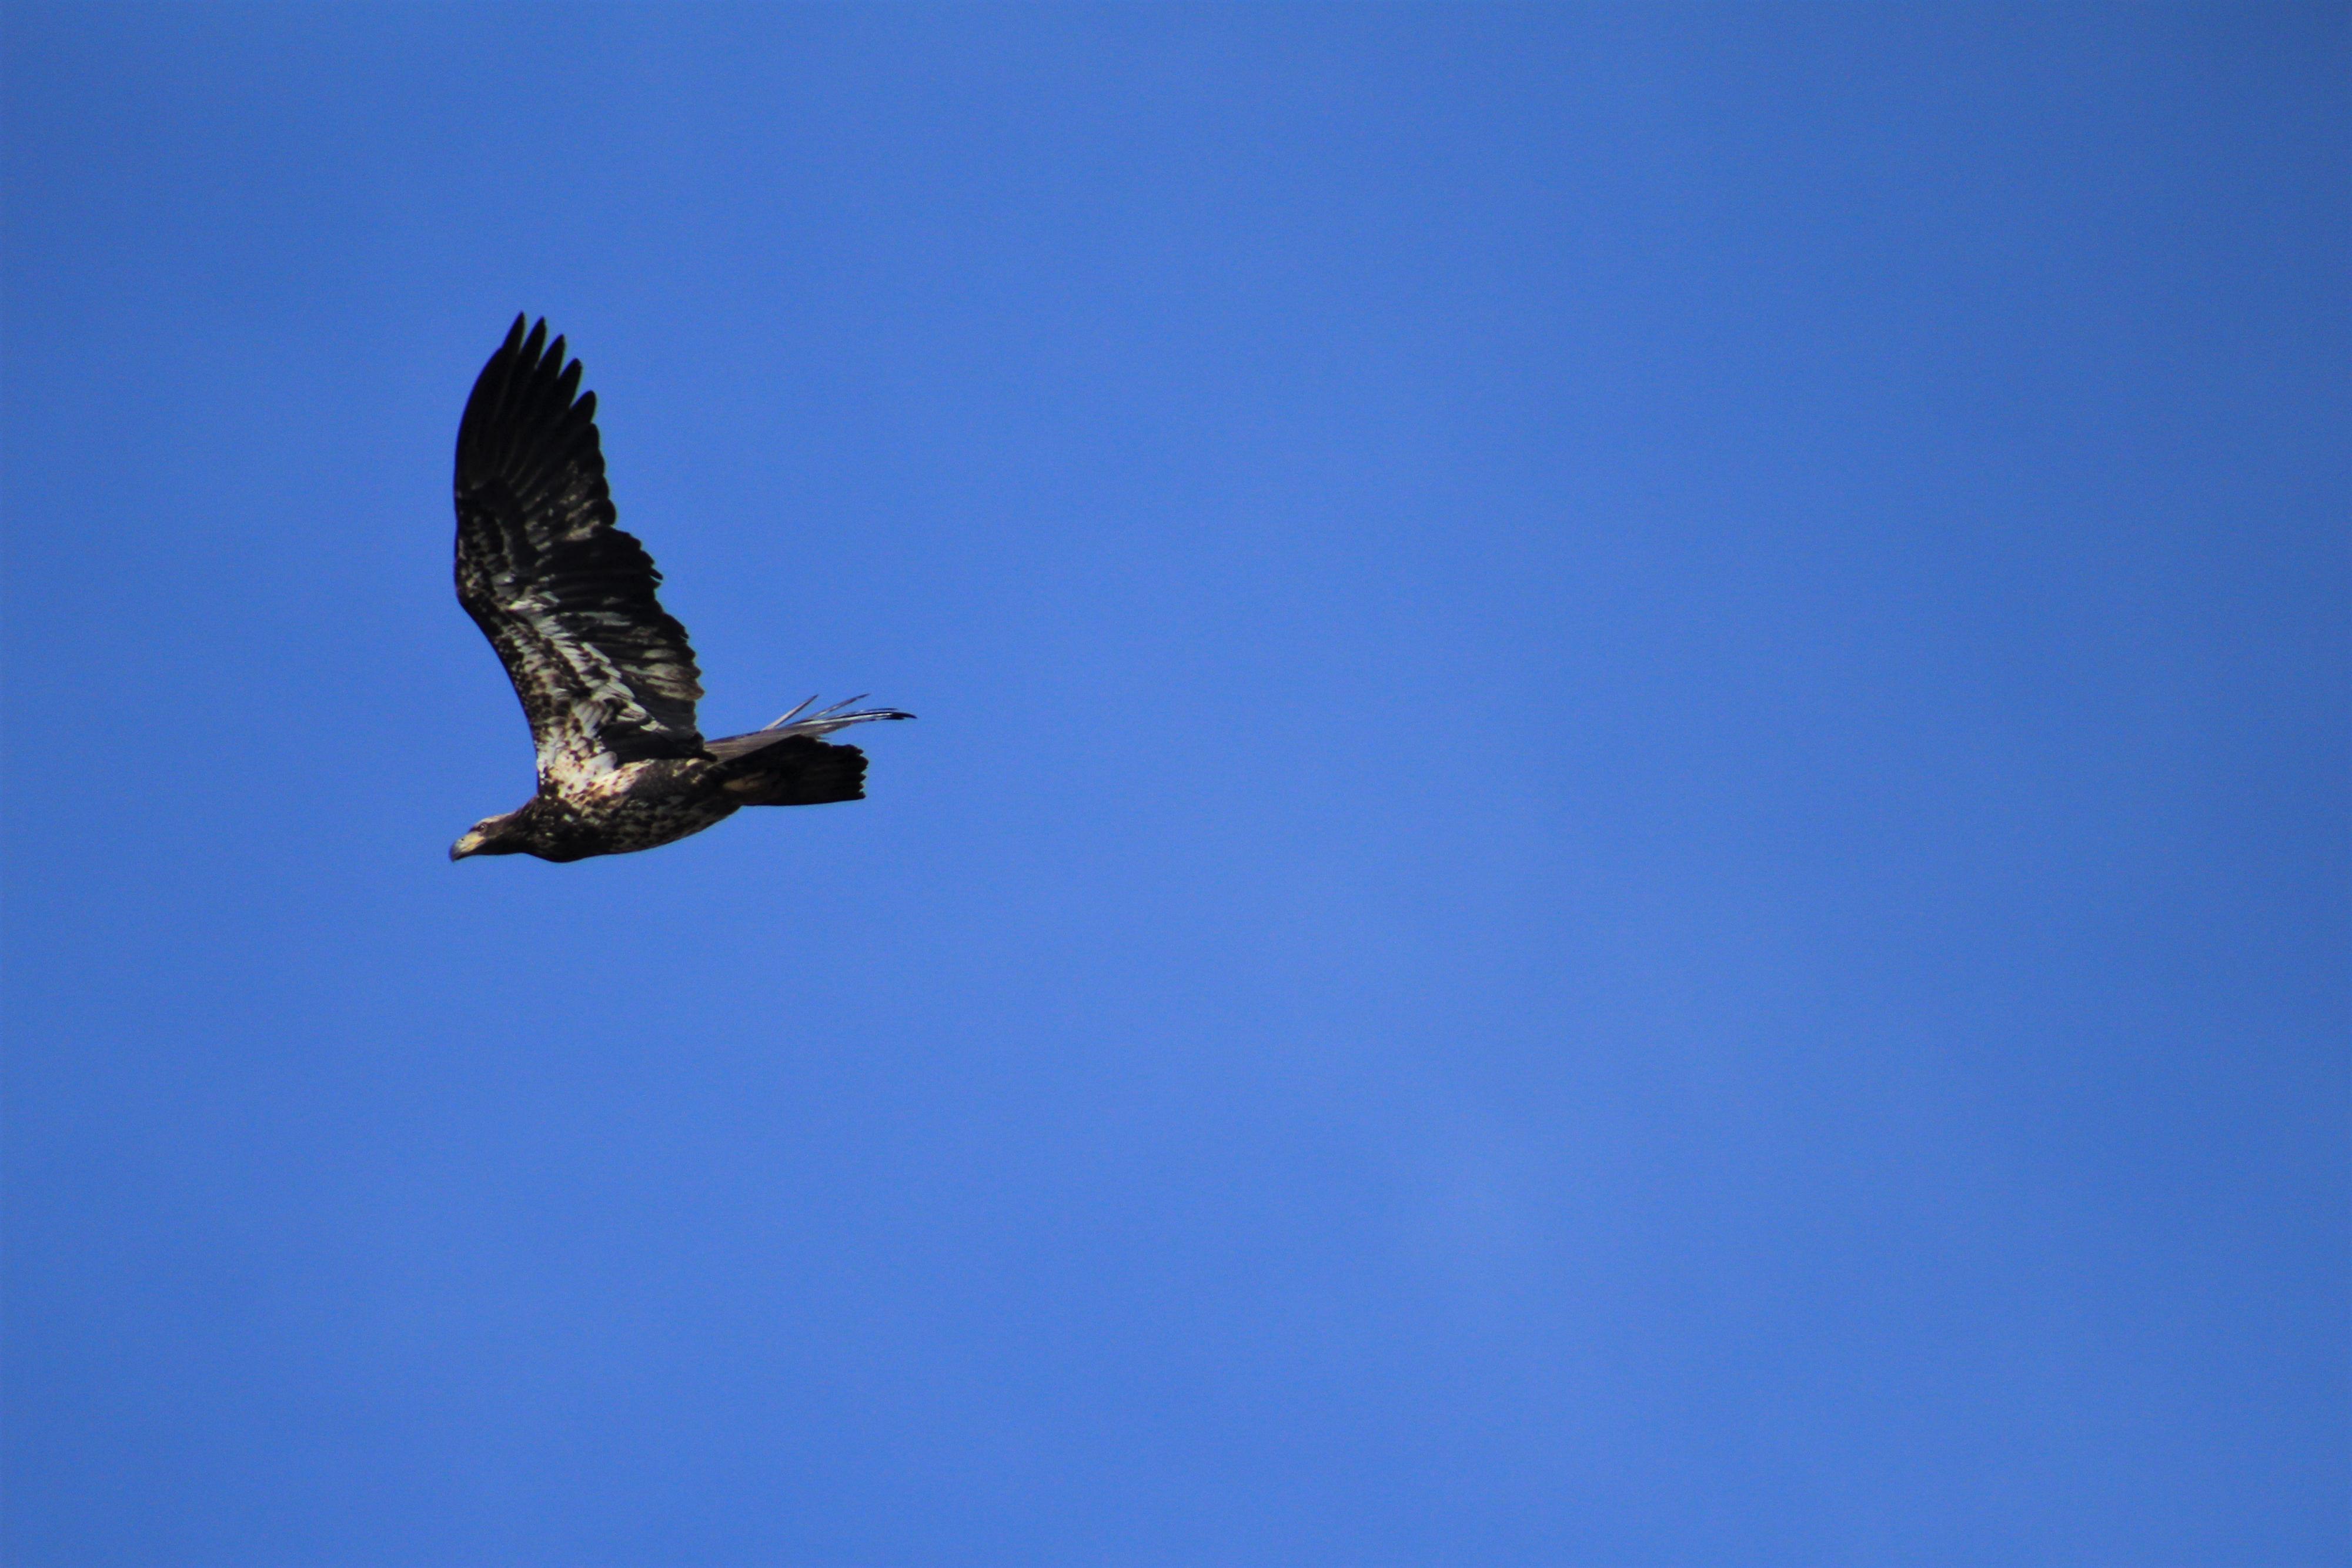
(605, 676)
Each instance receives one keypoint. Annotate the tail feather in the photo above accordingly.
(791, 770)
(786, 764)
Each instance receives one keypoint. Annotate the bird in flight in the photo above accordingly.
(606, 676)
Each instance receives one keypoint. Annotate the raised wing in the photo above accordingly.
(567, 599)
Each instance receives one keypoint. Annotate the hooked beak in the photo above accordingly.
(470, 845)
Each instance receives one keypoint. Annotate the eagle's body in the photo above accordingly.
(606, 678)
(637, 806)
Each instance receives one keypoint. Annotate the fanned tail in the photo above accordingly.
(787, 765)
(793, 770)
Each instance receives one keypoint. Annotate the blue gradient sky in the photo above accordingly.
(1628, 844)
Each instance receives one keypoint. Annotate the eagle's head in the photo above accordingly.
(493, 836)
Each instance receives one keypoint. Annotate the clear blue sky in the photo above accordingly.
(1628, 844)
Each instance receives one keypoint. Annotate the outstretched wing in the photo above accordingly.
(567, 599)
